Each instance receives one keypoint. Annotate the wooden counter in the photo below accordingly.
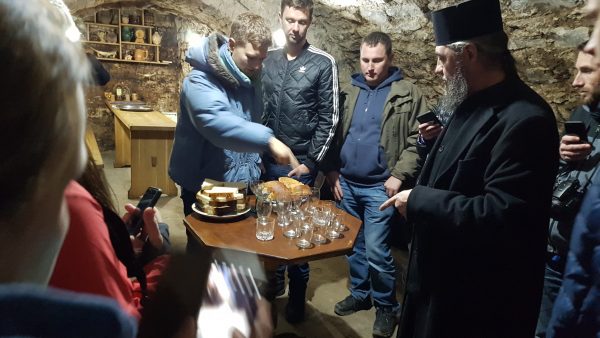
(143, 140)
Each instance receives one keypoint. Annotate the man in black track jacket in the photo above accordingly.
(300, 87)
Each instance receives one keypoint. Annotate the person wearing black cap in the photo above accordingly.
(481, 206)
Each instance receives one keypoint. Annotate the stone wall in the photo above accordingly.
(543, 36)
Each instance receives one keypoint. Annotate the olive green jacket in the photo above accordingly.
(399, 130)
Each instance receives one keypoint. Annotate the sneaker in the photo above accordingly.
(280, 291)
(294, 313)
(386, 320)
(350, 305)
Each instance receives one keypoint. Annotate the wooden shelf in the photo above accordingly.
(141, 44)
(102, 24)
(102, 43)
(135, 61)
(132, 25)
(122, 48)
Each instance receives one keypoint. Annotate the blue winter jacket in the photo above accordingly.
(214, 137)
(28, 310)
(576, 310)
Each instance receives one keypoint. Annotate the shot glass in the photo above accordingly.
(339, 215)
(265, 228)
(320, 221)
(291, 229)
(304, 240)
(333, 231)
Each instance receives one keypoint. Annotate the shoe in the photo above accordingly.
(280, 291)
(350, 305)
(386, 320)
(294, 313)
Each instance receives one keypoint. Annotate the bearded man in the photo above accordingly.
(579, 163)
(481, 207)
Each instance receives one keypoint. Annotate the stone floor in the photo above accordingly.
(328, 277)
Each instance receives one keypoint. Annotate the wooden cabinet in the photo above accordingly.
(123, 35)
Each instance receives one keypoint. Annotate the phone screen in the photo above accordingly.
(148, 200)
(429, 117)
(231, 293)
(576, 128)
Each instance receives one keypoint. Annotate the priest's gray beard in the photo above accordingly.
(456, 92)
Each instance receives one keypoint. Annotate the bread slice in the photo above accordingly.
(295, 187)
(226, 192)
(289, 182)
(276, 189)
(219, 211)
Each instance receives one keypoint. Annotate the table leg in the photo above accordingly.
(122, 144)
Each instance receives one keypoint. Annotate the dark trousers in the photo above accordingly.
(189, 198)
(297, 273)
(553, 276)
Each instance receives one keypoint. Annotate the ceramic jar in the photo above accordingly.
(140, 55)
(126, 34)
(156, 38)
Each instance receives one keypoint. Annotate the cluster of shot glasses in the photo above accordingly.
(304, 218)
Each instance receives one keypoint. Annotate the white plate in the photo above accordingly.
(198, 211)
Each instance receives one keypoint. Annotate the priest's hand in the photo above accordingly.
(399, 200)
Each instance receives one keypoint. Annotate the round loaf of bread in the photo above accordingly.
(276, 189)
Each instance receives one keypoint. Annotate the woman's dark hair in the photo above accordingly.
(94, 181)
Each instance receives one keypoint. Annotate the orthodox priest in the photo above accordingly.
(481, 207)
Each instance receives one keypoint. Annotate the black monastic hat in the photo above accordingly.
(466, 20)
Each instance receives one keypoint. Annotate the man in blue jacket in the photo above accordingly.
(218, 134)
(373, 156)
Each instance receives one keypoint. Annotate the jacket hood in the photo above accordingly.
(205, 57)
(358, 79)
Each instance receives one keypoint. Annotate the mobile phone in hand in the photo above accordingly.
(229, 302)
(576, 128)
(148, 200)
(429, 117)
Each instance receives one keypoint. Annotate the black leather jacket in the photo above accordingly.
(301, 101)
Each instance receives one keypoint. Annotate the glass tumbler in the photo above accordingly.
(265, 229)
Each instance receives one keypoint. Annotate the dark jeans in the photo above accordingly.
(188, 199)
(298, 274)
(553, 277)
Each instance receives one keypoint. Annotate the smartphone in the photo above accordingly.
(429, 117)
(230, 300)
(576, 128)
(148, 200)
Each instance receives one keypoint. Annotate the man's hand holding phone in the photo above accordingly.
(429, 125)
(574, 145)
(572, 149)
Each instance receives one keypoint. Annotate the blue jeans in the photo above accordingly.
(372, 269)
(552, 281)
(297, 273)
